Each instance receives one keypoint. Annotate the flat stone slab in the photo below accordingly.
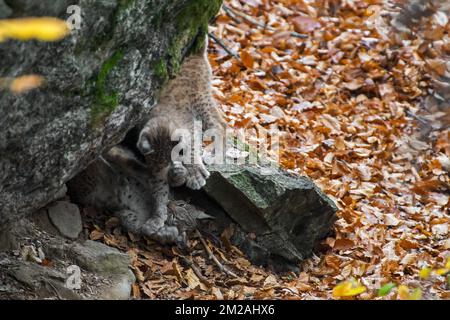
(287, 214)
(98, 257)
(66, 218)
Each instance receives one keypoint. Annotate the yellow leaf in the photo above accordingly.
(403, 292)
(42, 28)
(447, 264)
(25, 83)
(425, 273)
(348, 288)
(416, 294)
(442, 271)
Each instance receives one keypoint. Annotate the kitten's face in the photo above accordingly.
(155, 145)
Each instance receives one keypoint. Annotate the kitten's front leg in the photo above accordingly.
(197, 175)
(125, 160)
(177, 174)
(163, 235)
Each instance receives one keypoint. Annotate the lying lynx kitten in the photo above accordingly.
(137, 193)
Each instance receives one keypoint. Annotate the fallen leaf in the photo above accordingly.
(192, 280)
(25, 83)
(304, 24)
(386, 289)
(247, 59)
(343, 244)
(40, 28)
(348, 288)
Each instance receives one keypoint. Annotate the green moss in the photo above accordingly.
(105, 102)
(124, 4)
(160, 70)
(192, 23)
(159, 15)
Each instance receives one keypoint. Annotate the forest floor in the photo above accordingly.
(360, 109)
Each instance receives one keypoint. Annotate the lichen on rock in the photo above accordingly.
(99, 82)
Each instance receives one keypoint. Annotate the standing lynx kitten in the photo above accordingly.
(188, 98)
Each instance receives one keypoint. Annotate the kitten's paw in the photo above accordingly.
(151, 226)
(197, 175)
(114, 154)
(165, 235)
(182, 242)
(177, 174)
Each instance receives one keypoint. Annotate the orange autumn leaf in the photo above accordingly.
(343, 244)
(438, 65)
(408, 244)
(305, 24)
(424, 187)
(257, 84)
(136, 291)
(247, 59)
(40, 28)
(25, 83)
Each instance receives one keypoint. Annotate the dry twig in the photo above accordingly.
(212, 257)
(191, 264)
(220, 43)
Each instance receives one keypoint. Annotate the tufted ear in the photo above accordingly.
(200, 215)
(144, 145)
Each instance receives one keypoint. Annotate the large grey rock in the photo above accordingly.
(5, 11)
(65, 216)
(97, 257)
(120, 288)
(287, 215)
(99, 82)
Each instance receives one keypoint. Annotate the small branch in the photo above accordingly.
(191, 264)
(250, 19)
(231, 14)
(212, 257)
(418, 118)
(247, 18)
(220, 43)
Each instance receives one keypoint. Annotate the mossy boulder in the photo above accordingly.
(285, 215)
(99, 82)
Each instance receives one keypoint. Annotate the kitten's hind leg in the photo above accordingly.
(130, 220)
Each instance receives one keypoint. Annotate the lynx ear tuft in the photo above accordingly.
(202, 216)
(144, 145)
